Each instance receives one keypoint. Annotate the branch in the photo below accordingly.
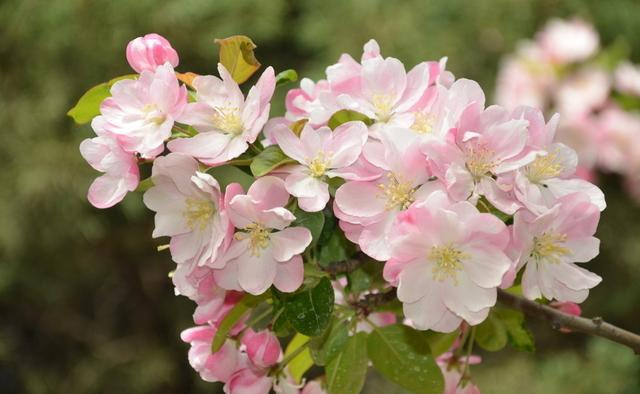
(344, 267)
(369, 302)
(594, 326)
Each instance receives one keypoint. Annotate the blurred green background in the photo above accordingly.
(85, 302)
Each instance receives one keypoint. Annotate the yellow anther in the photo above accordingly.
(543, 167)
(258, 237)
(383, 106)
(447, 262)
(228, 119)
(423, 123)
(479, 161)
(198, 213)
(398, 192)
(548, 247)
(318, 166)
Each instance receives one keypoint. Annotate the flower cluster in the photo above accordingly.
(453, 199)
(597, 92)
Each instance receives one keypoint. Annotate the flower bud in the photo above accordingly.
(148, 52)
(263, 347)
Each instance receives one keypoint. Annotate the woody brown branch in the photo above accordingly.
(593, 326)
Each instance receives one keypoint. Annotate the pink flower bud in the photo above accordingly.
(212, 367)
(570, 308)
(263, 347)
(149, 52)
(249, 381)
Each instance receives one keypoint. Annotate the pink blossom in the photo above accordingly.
(214, 303)
(313, 101)
(263, 348)
(120, 170)
(265, 250)
(452, 368)
(550, 244)
(627, 78)
(226, 122)
(619, 147)
(190, 208)
(582, 92)
(286, 384)
(148, 52)
(141, 112)
(322, 153)
(212, 367)
(368, 208)
(539, 184)
(447, 261)
(248, 380)
(486, 143)
(313, 387)
(568, 41)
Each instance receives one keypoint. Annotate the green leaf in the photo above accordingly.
(337, 248)
(519, 336)
(440, 342)
(346, 372)
(236, 55)
(491, 334)
(269, 159)
(230, 174)
(309, 311)
(235, 314)
(311, 220)
(88, 106)
(325, 347)
(402, 355)
(144, 185)
(286, 76)
(347, 115)
(301, 363)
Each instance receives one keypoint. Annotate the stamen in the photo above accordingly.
(258, 236)
(479, 161)
(448, 262)
(228, 120)
(383, 106)
(398, 192)
(423, 123)
(547, 247)
(543, 167)
(198, 213)
(318, 166)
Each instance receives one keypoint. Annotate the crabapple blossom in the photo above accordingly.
(550, 244)
(190, 208)
(285, 384)
(265, 250)
(627, 78)
(447, 262)
(313, 387)
(227, 122)
(141, 112)
(120, 170)
(322, 153)
(212, 367)
(263, 347)
(368, 208)
(248, 379)
(568, 41)
(485, 144)
(150, 51)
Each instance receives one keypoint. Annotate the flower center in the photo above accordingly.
(198, 213)
(318, 166)
(258, 237)
(153, 114)
(479, 161)
(228, 120)
(398, 192)
(383, 107)
(543, 167)
(423, 123)
(448, 262)
(548, 247)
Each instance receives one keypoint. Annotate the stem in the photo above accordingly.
(472, 338)
(254, 148)
(593, 326)
(291, 356)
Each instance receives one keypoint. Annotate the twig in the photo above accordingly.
(344, 267)
(369, 302)
(594, 326)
